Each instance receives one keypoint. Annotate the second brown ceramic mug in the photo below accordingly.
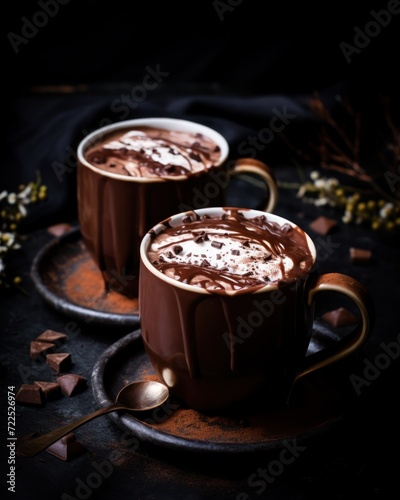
(115, 211)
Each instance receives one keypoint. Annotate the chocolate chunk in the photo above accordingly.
(216, 244)
(59, 229)
(52, 336)
(72, 384)
(195, 156)
(30, 394)
(205, 263)
(340, 317)
(235, 252)
(246, 244)
(38, 349)
(67, 448)
(60, 361)
(199, 239)
(360, 255)
(51, 390)
(323, 225)
(177, 249)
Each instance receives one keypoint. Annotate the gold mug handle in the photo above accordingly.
(253, 166)
(353, 289)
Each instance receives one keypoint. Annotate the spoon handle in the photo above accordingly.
(34, 446)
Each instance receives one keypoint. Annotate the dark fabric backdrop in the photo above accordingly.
(73, 66)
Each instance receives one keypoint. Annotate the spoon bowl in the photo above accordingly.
(142, 395)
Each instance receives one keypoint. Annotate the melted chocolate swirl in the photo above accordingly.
(152, 152)
(232, 252)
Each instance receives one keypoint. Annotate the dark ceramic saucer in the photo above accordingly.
(68, 279)
(319, 403)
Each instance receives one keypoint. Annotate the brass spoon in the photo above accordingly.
(136, 396)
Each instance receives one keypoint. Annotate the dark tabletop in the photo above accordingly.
(354, 457)
(80, 71)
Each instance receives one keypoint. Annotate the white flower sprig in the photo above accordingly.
(12, 211)
(356, 207)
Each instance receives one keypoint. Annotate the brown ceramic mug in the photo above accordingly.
(216, 349)
(115, 210)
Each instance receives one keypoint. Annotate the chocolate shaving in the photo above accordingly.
(235, 252)
(177, 249)
(195, 156)
(199, 239)
(216, 244)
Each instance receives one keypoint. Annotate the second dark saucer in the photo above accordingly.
(68, 279)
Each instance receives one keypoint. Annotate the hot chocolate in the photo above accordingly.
(231, 252)
(154, 152)
(134, 174)
(226, 305)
